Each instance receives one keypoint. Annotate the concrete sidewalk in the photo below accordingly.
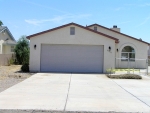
(77, 92)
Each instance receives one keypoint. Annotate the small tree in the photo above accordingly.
(22, 51)
(1, 23)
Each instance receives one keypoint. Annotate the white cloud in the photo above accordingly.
(44, 6)
(33, 21)
(138, 5)
(144, 5)
(146, 20)
(118, 9)
(130, 4)
(58, 19)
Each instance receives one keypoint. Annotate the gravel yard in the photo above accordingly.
(11, 75)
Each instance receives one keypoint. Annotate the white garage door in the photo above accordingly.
(72, 58)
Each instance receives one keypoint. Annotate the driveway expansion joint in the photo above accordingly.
(131, 94)
(68, 92)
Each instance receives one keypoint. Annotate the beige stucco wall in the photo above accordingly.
(1, 46)
(141, 49)
(4, 59)
(4, 36)
(149, 51)
(7, 49)
(62, 36)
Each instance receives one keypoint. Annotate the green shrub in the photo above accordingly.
(125, 76)
(22, 51)
(25, 67)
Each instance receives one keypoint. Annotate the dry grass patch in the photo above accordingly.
(2, 77)
(125, 76)
(11, 75)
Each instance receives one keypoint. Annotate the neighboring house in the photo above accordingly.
(79, 49)
(7, 44)
(149, 52)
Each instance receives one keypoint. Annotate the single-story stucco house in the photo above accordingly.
(84, 49)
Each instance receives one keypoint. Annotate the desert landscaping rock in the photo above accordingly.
(11, 75)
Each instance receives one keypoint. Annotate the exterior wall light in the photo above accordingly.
(35, 46)
(109, 48)
(117, 50)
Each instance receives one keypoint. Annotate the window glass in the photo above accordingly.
(12, 48)
(128, 49)
(95, 28)
(132, 56)
(124, 56)
(72, 30)
(128, 52)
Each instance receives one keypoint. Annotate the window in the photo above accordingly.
(95, 28)
(12, 48)
(128, 52)
(72, 30)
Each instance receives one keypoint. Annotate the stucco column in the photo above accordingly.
(1, 48)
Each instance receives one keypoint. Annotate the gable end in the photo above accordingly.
(113, 38)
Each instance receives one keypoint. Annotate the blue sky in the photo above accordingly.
(26, 17)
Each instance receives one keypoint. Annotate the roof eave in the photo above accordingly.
(119, 33)
(113, 38)
(8, 32)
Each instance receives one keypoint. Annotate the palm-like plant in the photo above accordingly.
(1, 23)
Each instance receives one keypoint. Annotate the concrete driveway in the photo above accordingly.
(78, 92)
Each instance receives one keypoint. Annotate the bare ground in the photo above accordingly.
(11, 75)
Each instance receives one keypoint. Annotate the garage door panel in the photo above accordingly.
(71, 58)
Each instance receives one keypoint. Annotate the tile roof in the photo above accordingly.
(116, 40)
(2, 28)
(119, 33)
